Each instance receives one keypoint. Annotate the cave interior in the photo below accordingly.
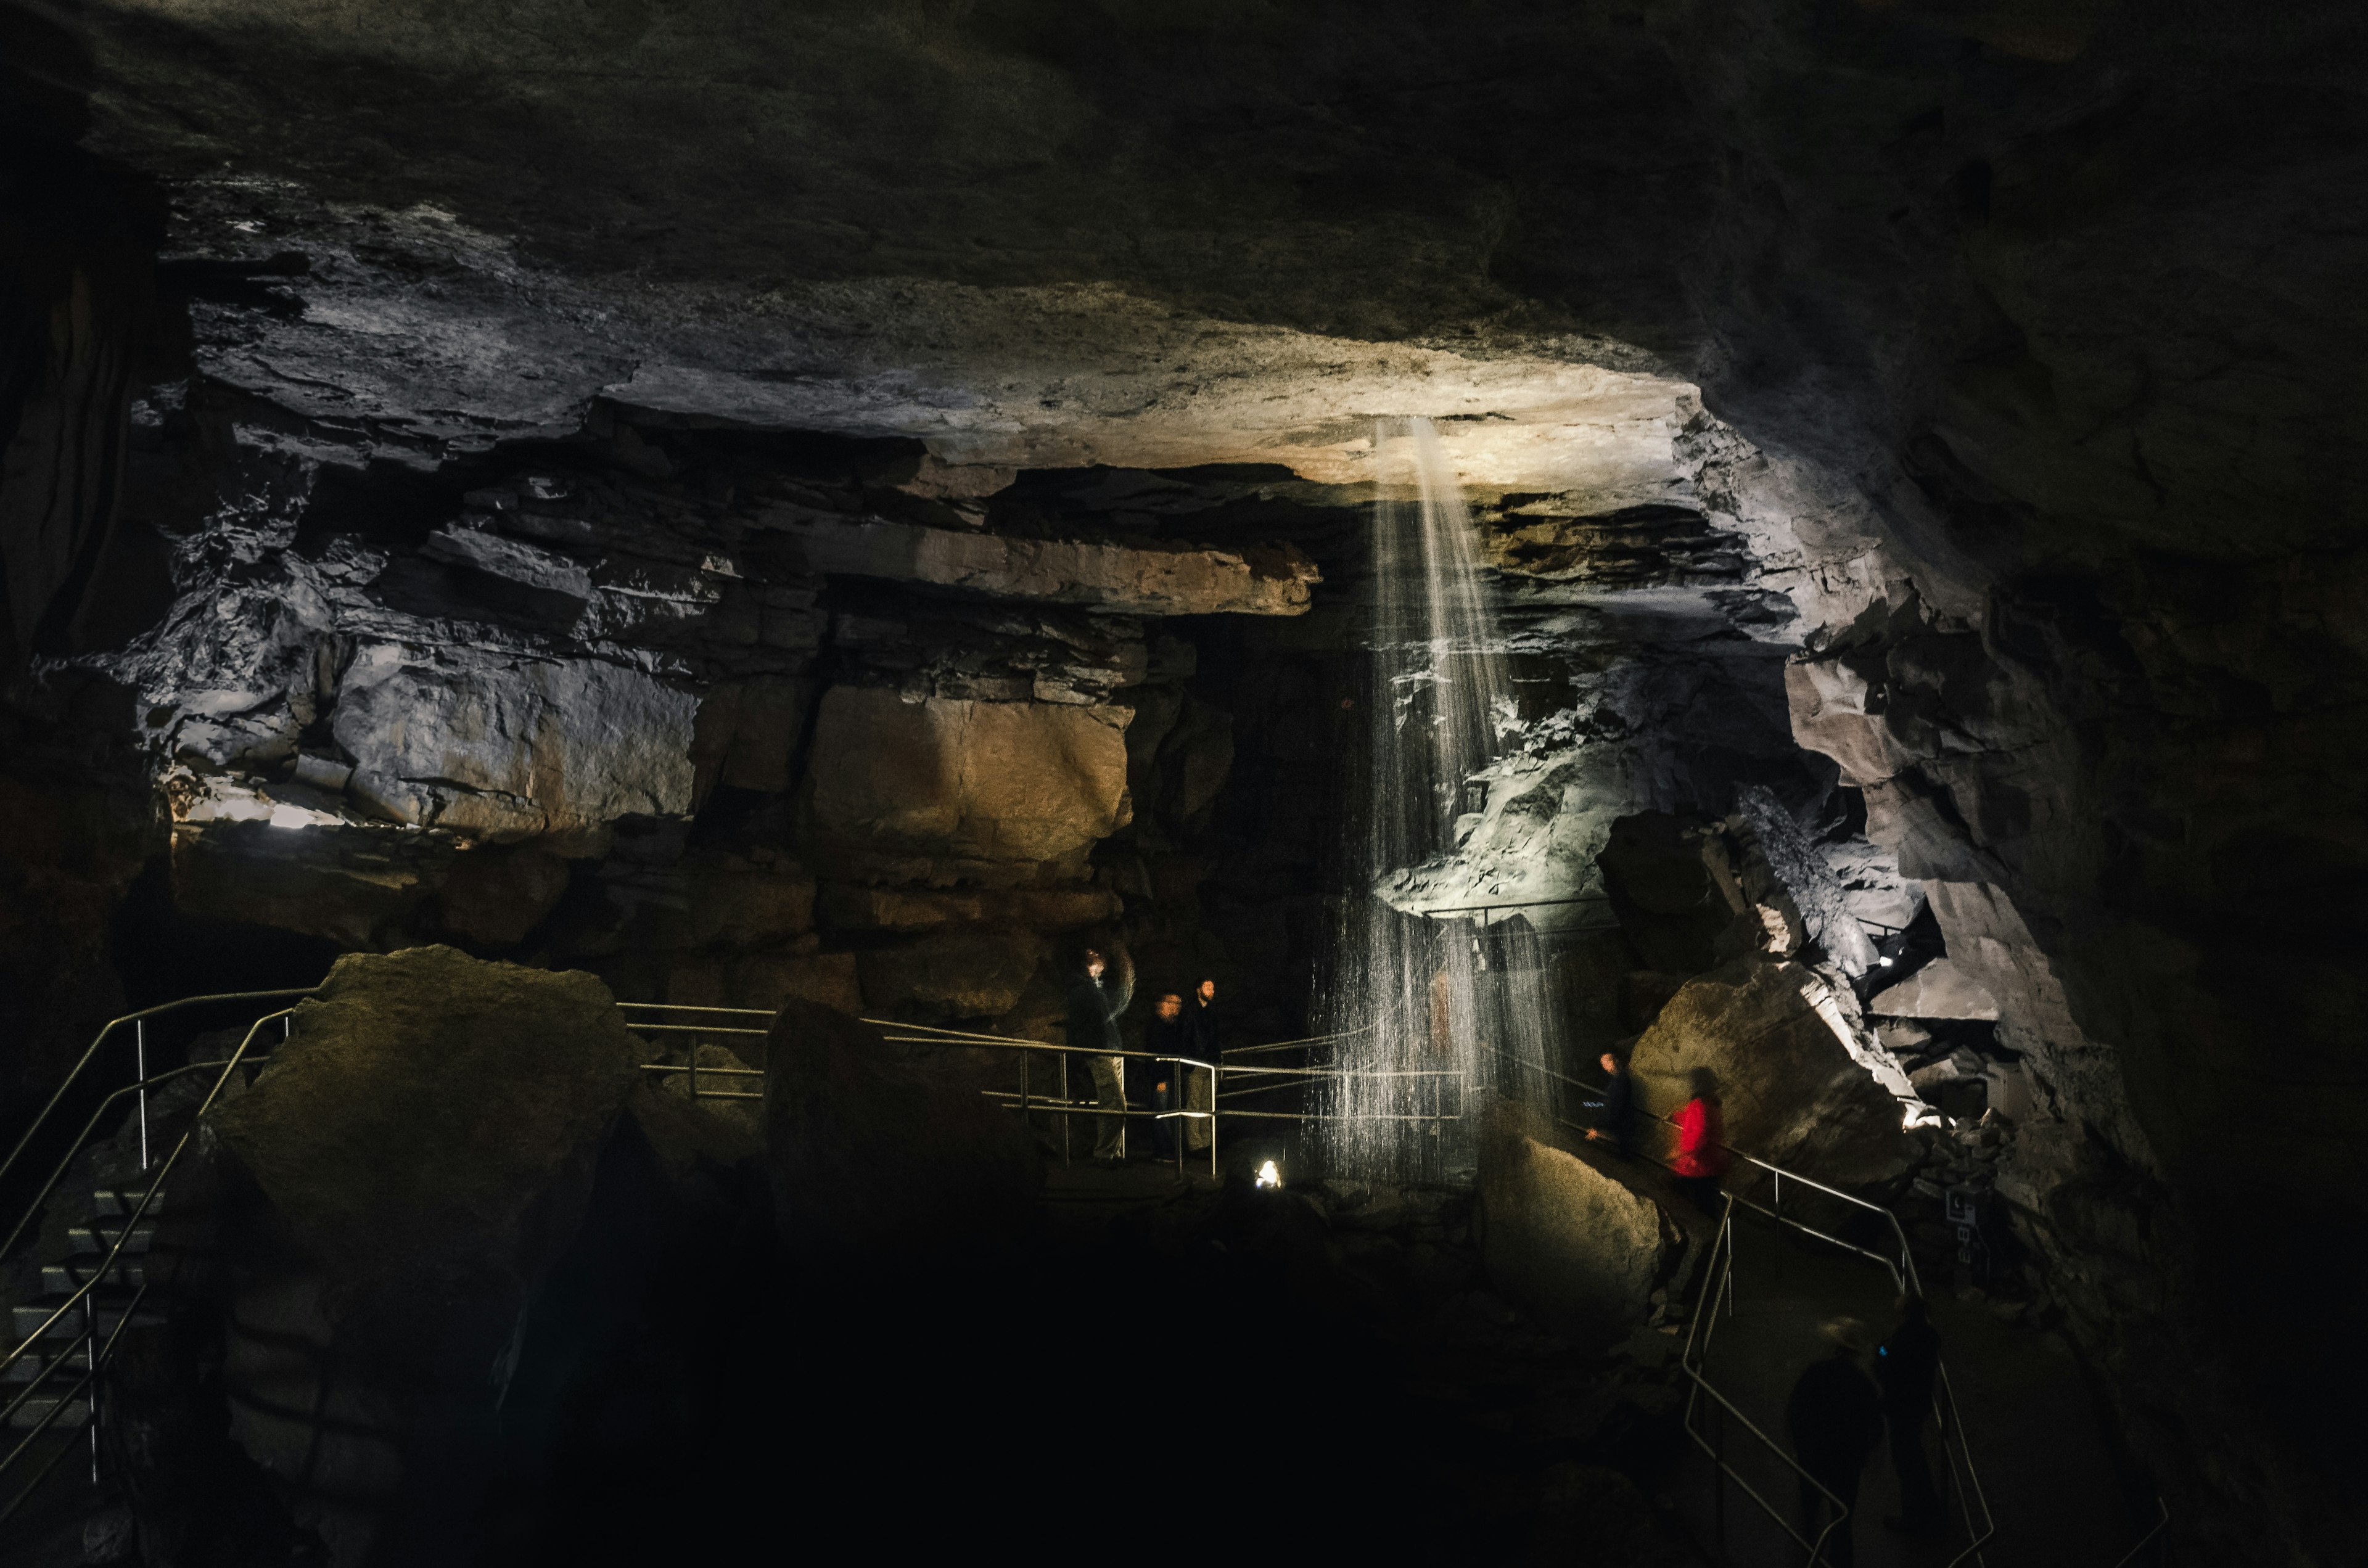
(831, 514)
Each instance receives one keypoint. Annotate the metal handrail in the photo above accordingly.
(42, 1197)
(1706, 1309)
(156, 1185)
(1903, 1276)
(108, 1264)
(2161, 1523)
(100, 1357)
(928, 1034)
(692, 1067)
(109, 1027)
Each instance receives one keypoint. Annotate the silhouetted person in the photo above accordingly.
(1836, 1417)
(1167, 1035)
(1201, 1026)
(1615, 1121)
(1094, 1008)
(1907, 1365)
(1701, 1144)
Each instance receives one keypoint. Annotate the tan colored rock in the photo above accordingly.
(1578, 1248)
(434, 1119)
(1139, 577)
(952, 975)
(1792, 1092)
(1942, 989)
(770, 980)
(955, 778)
(745, 732)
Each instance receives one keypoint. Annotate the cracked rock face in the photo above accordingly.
(847, 504)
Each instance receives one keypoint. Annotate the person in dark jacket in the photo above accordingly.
(1201, 1029)
(1095, 1002)
(1616, 1114)
(1836, 1418)
(1167, 1035)
(1905, 1366)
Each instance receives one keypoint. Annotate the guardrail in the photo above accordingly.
(635, 1020)
(1027, 1102)
(1905, 1278)
(96, 1355)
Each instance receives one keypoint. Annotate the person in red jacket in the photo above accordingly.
(1701, 1144)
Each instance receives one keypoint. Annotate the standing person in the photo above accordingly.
(1094, 1008)
(1701, 1144)
(1835, 1416)
(1168, 1037)
(1200, 1026)
(1905, 1366)
(1617, 1116)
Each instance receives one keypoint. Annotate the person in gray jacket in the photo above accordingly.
(1096, 999)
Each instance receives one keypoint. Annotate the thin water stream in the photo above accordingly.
(1437, 1023)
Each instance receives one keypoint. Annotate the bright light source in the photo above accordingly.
(1884, 962)
(1267, 1176)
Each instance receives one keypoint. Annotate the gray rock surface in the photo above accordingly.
(1578, 1248)
(1792, 1091)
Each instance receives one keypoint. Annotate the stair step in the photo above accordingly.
(27, 1367)
(62, 1279)
(77, 1413)
(93, 1240)
(116, 1202)
(28, 1320)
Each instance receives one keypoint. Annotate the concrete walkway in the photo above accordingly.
(2034, 1432)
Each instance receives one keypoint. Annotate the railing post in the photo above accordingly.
(139, 1049)
(1216, 1081)
(90, 1357)
(1064, 1109)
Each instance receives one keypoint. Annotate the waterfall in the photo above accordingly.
(1429, 1008)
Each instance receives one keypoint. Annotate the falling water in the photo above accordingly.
(1434, 1021)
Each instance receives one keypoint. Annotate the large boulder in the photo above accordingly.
(1577, 1247)
(1792, 1092)
(398, 1187)
(433, 1118)
(874, 1155)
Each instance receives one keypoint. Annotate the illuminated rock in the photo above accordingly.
(1579, 1248)
(1792, 1092)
